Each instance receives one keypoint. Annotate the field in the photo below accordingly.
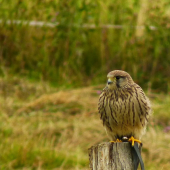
(91, 38)
(43, 127)
(51, 77)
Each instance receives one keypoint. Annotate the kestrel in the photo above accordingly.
(123, 107)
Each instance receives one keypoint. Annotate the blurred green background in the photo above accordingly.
(50, 48)
(75, 53)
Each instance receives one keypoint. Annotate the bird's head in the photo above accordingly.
(118, 79)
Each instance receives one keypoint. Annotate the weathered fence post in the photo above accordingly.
(111, 156)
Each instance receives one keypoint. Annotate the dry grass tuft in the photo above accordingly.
(78, 96)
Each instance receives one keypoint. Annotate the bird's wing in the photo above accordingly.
(144, 105)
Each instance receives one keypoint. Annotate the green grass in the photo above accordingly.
(76, 56)
(44, 122)
(47, 128)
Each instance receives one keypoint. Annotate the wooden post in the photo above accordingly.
(111, 156)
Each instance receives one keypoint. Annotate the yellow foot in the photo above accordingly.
(117, 140)
(133, 140)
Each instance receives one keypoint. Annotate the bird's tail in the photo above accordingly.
(136, 156)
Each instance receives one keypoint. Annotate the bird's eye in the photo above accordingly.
(118, 77)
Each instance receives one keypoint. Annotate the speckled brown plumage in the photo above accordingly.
(123, 107)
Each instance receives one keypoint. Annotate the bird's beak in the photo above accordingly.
(109, 81)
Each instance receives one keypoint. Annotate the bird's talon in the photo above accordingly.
(133, 140)
(117, 140)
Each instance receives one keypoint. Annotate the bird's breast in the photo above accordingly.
(122, 111)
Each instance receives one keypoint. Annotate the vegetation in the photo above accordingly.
(45, 123)
(46, 128)
(75, 55)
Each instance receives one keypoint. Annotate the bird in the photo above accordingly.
(124, 108)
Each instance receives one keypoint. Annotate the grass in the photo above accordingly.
(47, 128)
(43, 127)
(78, 56)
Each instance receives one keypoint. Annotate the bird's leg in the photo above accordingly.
(133, 140)
(117, 140)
